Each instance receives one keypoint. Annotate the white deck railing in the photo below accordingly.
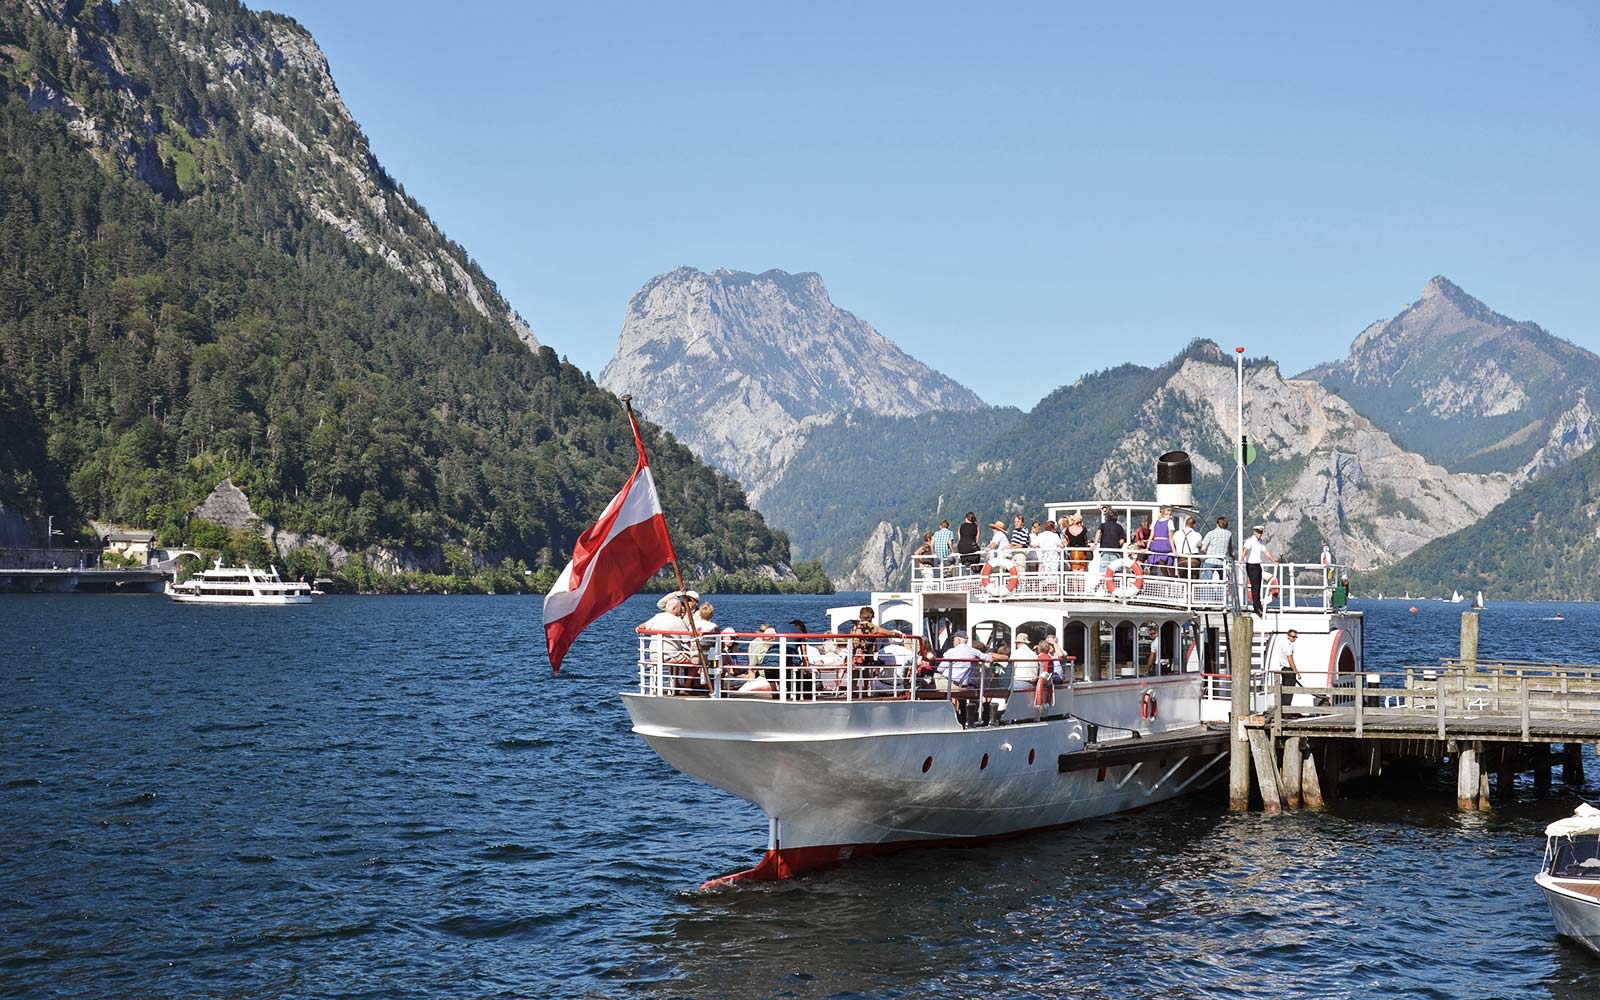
(1034, 575)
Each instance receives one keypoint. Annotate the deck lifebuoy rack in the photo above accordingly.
(1124, 588)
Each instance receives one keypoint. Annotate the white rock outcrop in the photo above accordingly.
(882, 561)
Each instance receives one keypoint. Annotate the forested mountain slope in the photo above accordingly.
(181, 300)
(850, 471)
(1542, 544)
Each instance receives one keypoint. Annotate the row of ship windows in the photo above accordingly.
(983, 765)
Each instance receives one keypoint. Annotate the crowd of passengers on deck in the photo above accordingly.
(1171, 546)
(863, 659)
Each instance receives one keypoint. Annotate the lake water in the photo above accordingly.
(391, 797)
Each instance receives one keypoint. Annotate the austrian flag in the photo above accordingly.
(611, 561)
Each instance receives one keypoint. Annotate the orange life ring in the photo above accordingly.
(1112, 569)
(1012, 577)
(1270, 585)
(1045, 683)
(1147, 706)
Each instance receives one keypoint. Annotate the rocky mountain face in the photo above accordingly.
(1326, 472)
(740, 365)
(1469, 388)
(260, 75)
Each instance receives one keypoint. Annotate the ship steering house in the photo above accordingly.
(1021, 694)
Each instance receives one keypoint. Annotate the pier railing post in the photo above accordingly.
(1438, 701)
(1239, 641)
(1522, 692)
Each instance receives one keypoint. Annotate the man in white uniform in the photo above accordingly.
(1253, 552)
(1283, 663)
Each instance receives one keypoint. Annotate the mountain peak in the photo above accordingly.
(1466, 386)
(1442, 290)
(738, 364)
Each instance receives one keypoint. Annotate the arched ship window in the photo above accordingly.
(1035, 630)
(1124, 656)
(1169, 648)
(1075, 643)
(991, 632)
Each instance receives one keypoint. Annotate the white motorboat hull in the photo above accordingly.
(183, 598)
(845, 779)
(1576, 913)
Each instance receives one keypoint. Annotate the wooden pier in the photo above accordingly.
(1483, 717)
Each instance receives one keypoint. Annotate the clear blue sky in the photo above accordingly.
(1018, 195)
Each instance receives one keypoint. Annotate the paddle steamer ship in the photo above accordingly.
(851, 759)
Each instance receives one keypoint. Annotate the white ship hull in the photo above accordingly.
(182, 598)
(841, 780)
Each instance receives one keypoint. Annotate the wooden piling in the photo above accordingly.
(1541, 772)
(1293, 772)
(1266, 771)
(1240, 636)
(1467, 779)
(1311, 783)
(1505, 779)
(1572, 764)
(1469, 638)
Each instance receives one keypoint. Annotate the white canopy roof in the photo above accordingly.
(1586, 819)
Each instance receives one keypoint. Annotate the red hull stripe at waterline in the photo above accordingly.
(611, 561)
(787, 862)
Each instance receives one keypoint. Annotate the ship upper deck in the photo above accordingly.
(1076, 572)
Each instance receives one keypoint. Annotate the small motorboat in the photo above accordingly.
(1570, 876)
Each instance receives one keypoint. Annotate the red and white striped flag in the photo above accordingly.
(611, 561)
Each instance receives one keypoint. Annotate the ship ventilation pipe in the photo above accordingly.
(1174, 480)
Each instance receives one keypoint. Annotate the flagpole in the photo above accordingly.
(694, 631)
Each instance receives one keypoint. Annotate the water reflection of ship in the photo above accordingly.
(1070, 889)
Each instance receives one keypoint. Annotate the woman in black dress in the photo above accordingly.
(967, 540)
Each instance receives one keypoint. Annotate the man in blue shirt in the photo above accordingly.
(1218, 547)
(961, 665)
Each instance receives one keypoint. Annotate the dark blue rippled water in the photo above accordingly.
(390, 797)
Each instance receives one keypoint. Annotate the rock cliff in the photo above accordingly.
(1468, 387)
(262, 74)
(739, 365)
(1322, 464)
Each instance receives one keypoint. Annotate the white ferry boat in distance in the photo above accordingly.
(852, 749)
(229, 585)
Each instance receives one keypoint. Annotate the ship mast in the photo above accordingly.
(1241, 455)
